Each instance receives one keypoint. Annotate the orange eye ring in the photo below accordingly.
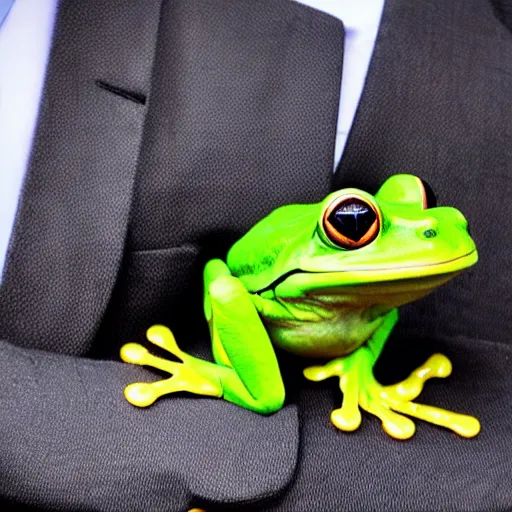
(351, 222)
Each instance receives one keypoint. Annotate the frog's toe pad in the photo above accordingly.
(190, 375)
(393, 405)
(162, 337)
(397, 426)
(315, 373)
(133, 353)
(140, 394)
(344, 421)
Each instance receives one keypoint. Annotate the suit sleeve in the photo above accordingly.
(70, 441)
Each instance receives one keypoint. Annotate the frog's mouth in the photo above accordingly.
(422, 277)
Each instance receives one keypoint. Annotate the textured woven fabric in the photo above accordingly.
(435, 470)
(227, 125)
(437, 104)
(503, 10)
(70, 228)
(71, 442)
(242, 119)
(243, 106)
(103, 102)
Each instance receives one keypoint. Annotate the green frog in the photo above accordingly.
(322, 281)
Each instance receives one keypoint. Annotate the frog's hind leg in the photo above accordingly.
(246, 371)
(388, 403)
(186, 375)
(241, 345)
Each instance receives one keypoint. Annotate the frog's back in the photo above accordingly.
(257, 251)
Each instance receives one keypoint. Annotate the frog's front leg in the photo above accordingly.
(360, 389)
(245, 371)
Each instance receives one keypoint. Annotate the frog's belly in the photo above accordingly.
(340, 333)
(347, 315)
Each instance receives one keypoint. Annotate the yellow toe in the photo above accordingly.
(133, 353)
(346, 421)
(140, 394)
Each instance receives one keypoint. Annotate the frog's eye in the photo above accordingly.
(351, 222)
(408, 190)
(429, 198)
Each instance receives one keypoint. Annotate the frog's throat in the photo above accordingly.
(309, 279)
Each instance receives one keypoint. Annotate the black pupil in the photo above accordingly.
(353, 218)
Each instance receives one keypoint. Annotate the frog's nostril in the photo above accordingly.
(430, 233)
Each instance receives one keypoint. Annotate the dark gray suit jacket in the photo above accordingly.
(169, 127)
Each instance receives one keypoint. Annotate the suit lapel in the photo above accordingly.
(434, 64)
(246, 95)
(242, 120)
(437, 104)
(71, 223)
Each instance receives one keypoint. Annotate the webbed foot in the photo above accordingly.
(360, 389)
(189, 375)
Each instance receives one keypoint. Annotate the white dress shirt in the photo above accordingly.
(361, 19)
(25, 41)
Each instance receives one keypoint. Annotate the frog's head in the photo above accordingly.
(352, 238)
